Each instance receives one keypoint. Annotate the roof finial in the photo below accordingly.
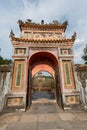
(55, 22)
(11, 34)
(20, 22)
(42, 22)
(29, 20)
(74, 36)
(65, 23)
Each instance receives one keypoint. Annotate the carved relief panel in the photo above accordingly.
(65, 52)
(68, 74)
(46, 35)
(20, 51)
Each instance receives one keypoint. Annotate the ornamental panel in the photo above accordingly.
(20, 51)
(18, 75)
(65, 51)
(68, 74)
(72, 99)
(15, 101)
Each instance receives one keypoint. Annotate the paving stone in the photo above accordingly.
(67, 116)
(77, 129)
(79, 124)
(81, 116)
(22, 126)
(46, 125)
(51, 129)
(63, 125)
(29, 118)
(3, 127)
(9, 119)
(48, 117)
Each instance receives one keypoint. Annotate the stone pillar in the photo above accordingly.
(17, 96)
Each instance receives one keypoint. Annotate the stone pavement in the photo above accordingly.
(44, 116)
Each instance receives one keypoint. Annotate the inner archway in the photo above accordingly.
(43, 87)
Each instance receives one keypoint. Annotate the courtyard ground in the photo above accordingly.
(44, 116)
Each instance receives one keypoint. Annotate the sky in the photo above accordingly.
(74, 11)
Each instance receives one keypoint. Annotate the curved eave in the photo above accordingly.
(42, 40)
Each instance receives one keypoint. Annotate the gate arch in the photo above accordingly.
(49, 47)
(43, 61)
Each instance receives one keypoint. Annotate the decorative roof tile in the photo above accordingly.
(41, 40)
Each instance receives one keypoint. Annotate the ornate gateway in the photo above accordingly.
(42, 47)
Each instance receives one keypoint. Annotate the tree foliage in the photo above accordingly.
(5, 61)
(84, 57)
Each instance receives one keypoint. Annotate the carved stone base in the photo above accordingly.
(72, 100)
(15, 101)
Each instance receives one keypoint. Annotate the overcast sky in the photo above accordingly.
(74, 11)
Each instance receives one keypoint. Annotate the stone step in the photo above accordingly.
(74, 107)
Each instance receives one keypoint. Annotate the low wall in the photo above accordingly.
(5, 82)
(81, 81)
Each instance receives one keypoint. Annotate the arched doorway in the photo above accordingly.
(43, 87)
(43, 61)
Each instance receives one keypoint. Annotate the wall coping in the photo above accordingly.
(5, 68)
(77, 67)
(80, 67)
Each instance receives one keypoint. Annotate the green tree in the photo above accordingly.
(84, 57)
(5, 61)
(52, 85)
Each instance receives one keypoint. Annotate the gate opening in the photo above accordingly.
(48, 62)
(43, 87)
